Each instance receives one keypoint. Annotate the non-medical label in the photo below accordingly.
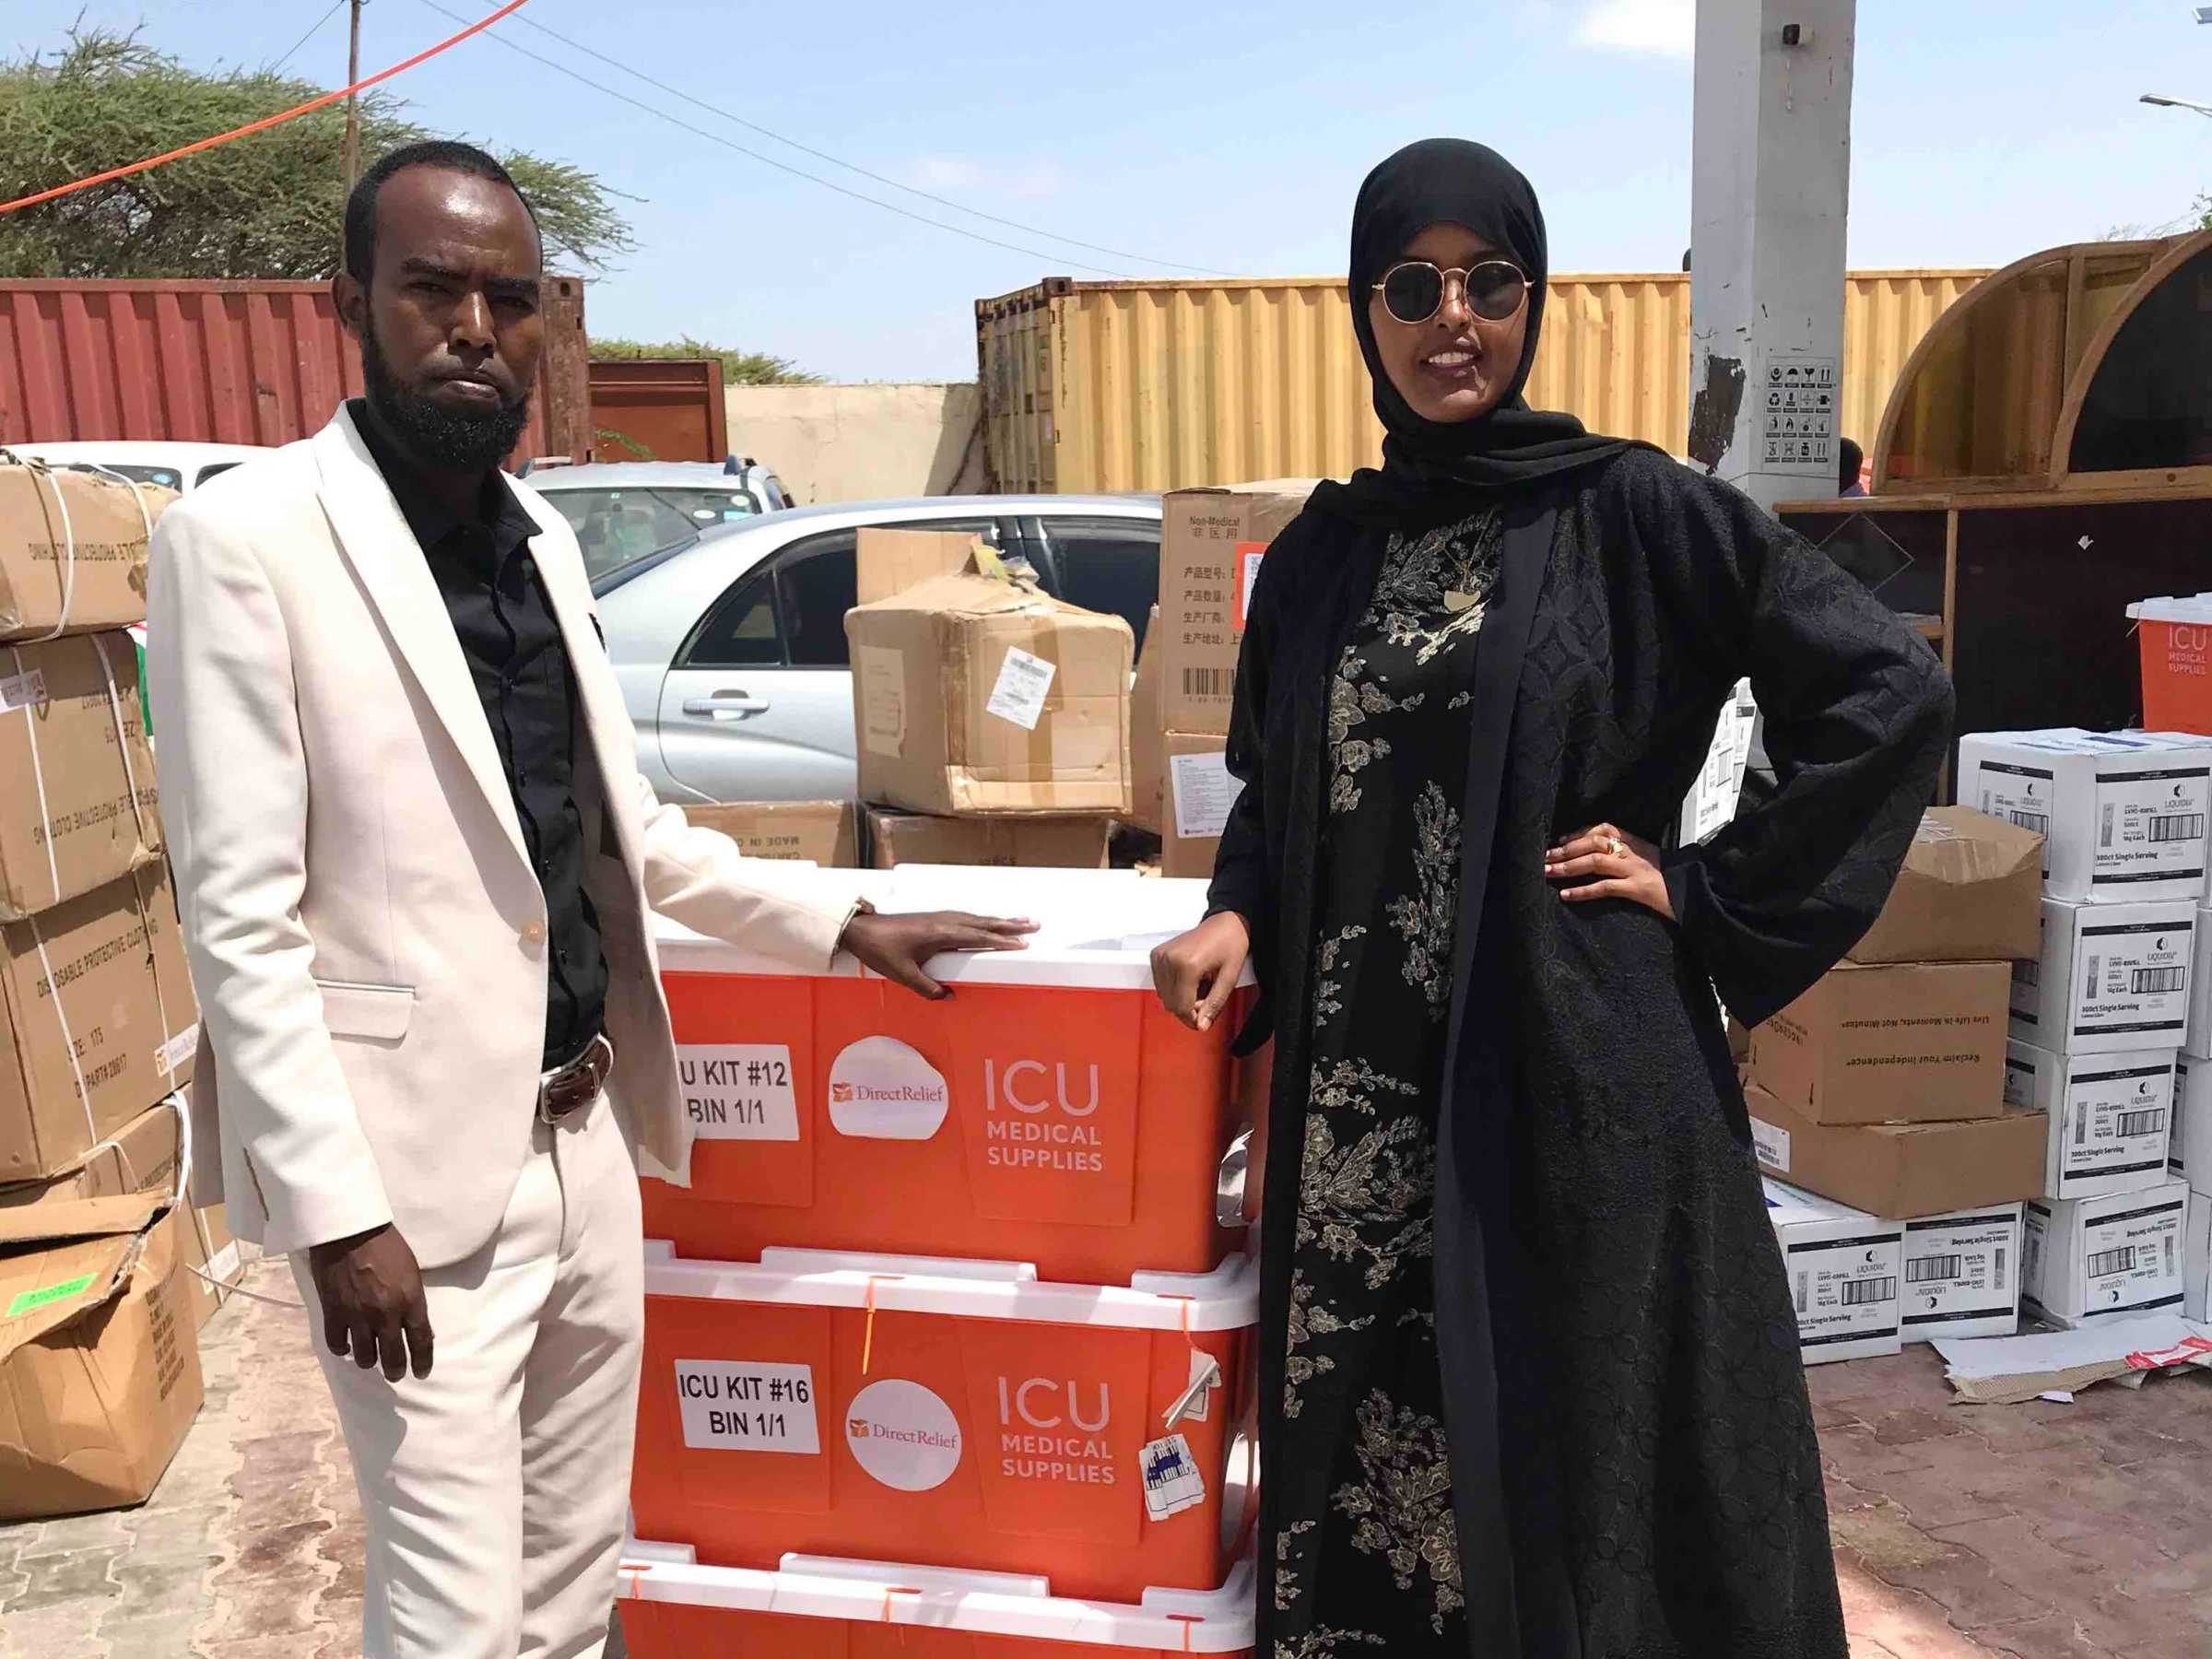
(879, 682)
(739, 1090)
(881, 1089)
(903, 1435)
(45, 1295)
(2150, 827)
(1204, 791)
(26, 690)
(1249, 555)
(746, 1405)
(1173, 1481)
(1024, 682)
(177, 1050)
(1772, 1142)
(224, 1264)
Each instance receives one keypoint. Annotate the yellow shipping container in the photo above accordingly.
(1113, 386)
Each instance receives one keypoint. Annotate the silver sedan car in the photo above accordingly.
(731, 647)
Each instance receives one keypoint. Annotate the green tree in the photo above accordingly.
(269, 205)
(2204, 211)
(739, 368)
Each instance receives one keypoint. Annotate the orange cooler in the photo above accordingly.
(2175, 636)
(962, 1414)
(808, 1608)
(1051, 1112)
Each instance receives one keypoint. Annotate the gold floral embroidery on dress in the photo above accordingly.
(1371, 1200)
(1323, 1644)
(1351, 1086)
(1428, 920)
(1448, 572)
(1404, 1505)
(1352, 702)
(1311, 1321)
(1326, 991)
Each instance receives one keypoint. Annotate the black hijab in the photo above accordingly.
(1433, 472)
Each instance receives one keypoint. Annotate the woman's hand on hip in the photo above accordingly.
(1606, 862)
(1196, 973)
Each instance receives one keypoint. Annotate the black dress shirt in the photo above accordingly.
(515, 653)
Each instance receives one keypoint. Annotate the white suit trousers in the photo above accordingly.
(495, 1490)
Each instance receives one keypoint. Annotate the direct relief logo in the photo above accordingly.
(903, 1435)
(881, 1089)
(841, 1094)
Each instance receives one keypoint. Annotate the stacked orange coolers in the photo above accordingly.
(946, 1341)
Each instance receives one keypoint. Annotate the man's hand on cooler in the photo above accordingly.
(373, 1307)
(899, 948)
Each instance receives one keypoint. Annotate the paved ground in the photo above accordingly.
(2026, 1531)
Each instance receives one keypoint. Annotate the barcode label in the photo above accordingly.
(1208, 682)
(2178, 826)
(2038, 821)
(1859, 1293)
(1923, 1270)
(1805, 1293)
(2103, 1262)
(2157, 981)
(2142, 1122)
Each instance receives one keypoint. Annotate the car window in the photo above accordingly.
(741, 631)
(617, 525)
(168, 477)
(1110, 565)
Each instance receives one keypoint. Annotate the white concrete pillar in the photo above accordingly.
(1769, 199)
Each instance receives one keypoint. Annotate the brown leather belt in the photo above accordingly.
(577, 1084)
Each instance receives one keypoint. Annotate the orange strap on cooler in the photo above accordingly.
(1188, 1621)
(868, 1340)
(627, 1576)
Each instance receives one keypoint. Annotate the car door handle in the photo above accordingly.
(725, 705)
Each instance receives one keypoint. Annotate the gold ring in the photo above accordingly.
(1620, 848)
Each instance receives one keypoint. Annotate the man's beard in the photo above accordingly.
(444, 438)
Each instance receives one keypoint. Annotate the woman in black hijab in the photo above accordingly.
(1531, 1380)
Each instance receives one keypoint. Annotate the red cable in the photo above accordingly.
(263, 125)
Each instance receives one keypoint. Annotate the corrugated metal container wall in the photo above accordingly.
(1115, 387)
(225, 362)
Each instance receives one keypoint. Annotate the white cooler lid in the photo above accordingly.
(2195, 607)
(997, 1604)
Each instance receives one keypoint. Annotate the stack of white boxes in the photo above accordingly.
(2100, 1020)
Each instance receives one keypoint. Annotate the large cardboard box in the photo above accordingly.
(1844, 1274)
(2089, 1259)
(822, 833)
(1051, 843)
(1148, 736)
(2123, 814)
(2111, 1116)
(1198, 796)
(2189, 1148)
(1211, 544)
(97, 1021)
(888, 562)
(1901, 1170)
(2111, 979)
(978, 693)
(100, 1358)
(72, 550)
(1970, 891)
(77, 803)
(1900, 1043)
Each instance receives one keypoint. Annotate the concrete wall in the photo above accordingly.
(862, 443)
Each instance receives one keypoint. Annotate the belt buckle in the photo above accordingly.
(596, 1062)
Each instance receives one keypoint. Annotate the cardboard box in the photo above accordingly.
(72, 550)
(2124, 814)
(2111, 979)
(2200, 987)
(888, 562)
(2196, 1261)
(2111, 1116)
(1712, 798)
(1051, 843)
(1740, 1040)
(1902, 1044)
(2189, 1148)
(1962, 1274)
(821, 832)
(1148, 736)
(1844, 1276)
(1901, 1170)
(1970, 891)
(123, 1022)
(2106, 1258)
(77, 803)
(99, 1361)
(1199, 794)
(978, 694)
(1211, 545)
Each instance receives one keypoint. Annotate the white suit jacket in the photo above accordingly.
(366, 932)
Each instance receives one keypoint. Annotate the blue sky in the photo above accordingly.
(1224, 135)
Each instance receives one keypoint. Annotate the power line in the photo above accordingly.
(337, 6)
(712, 137)
(820, 154)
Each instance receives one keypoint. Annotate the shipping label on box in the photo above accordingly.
(2123, 815)
(1212, 545)
(1720, 781)
(2110, 1116)
(1845, 1272)
(2100, 1258)
(2112, 977)
(1962, 1274)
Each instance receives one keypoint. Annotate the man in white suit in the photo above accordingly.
(415, 861)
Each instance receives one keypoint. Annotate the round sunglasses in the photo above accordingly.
(1413, 290)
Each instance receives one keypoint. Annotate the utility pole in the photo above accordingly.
(353, 102)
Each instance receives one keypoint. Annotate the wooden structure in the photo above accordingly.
(2045, 459)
